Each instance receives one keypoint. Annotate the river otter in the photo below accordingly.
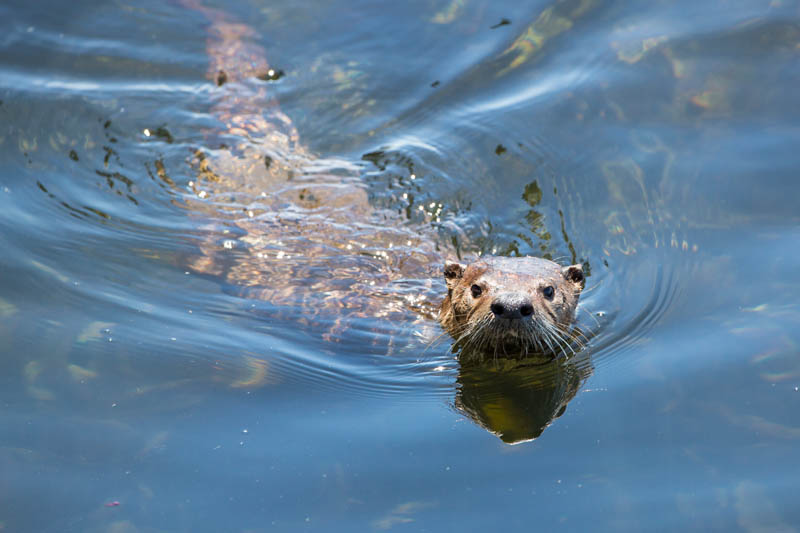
(300, 231)
(511, 306)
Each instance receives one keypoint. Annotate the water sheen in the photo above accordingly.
(158, 374)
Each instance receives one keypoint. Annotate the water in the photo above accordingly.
(155, 378)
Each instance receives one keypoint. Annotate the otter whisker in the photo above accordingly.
(547, 334)
(568, 338)
(595, 285)
(596, 321)
(433, 342)
(566, 345)
(577, 335)
(557, 338)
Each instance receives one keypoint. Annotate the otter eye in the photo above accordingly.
(548, 292)
(476, 291)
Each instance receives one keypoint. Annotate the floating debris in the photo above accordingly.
(271, 75)
(503, 22)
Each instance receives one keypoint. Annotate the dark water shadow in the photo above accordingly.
(518, 400)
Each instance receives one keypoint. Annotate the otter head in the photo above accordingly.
(514, 306)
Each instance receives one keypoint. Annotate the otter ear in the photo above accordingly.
(452, 273)
(574, 273)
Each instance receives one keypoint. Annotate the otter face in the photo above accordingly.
(511, 305)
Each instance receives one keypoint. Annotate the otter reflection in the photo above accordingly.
(517, 399)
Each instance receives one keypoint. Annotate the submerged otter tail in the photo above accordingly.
(232, 56)
(238, 66)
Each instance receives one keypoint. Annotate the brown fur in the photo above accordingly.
(505, 305)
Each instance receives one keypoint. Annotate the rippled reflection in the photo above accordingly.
(517, 400)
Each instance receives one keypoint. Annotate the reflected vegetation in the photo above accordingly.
(450, 12)
(550, 23)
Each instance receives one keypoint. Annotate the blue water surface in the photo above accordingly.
(158, 376)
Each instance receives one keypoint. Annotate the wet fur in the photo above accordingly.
(479, 333)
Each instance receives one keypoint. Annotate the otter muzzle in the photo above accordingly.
(511, 305)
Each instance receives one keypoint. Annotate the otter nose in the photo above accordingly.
(511, 305)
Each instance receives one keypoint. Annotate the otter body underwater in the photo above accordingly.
(311, 238)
